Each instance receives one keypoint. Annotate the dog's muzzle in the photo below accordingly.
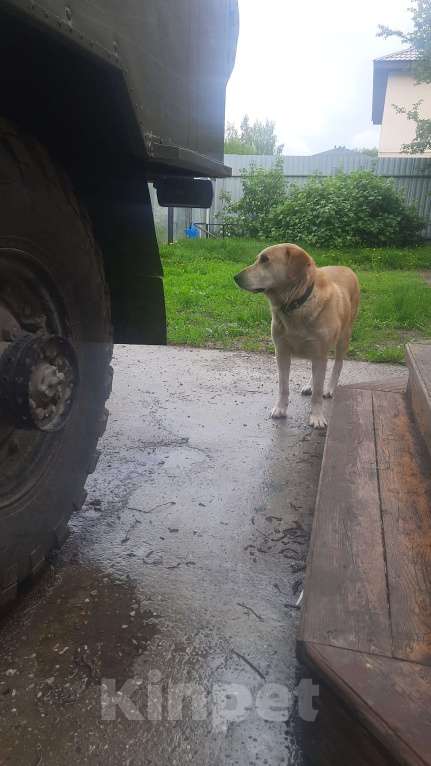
(241, 281)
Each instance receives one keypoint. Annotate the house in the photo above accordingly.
(395, 85)
(341, 152)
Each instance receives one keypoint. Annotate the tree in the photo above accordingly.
(234, 142)
(262, 190)
(252, 138)
(420, 40)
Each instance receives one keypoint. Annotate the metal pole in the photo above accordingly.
(170, 225)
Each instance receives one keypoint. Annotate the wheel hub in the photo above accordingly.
(38, 369)
(38, 381)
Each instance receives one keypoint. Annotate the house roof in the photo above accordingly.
(408, 54)
(393, 62)
(337, 151)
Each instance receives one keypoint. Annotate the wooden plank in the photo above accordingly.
(390, 698)
(421, 353)
(397, 384)
(405, 488)
(337, 738)
(418, 357)
(345, 591)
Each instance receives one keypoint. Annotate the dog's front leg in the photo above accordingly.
(317, 418)
(282, 353)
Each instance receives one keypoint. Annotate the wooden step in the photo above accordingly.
(373, 711)
(418, 357)
(367, 596)
(397, 384)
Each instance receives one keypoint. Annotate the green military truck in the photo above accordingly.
(97, 100)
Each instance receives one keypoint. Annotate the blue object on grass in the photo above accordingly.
(191, 232)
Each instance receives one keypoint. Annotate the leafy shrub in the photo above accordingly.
(357, 209)
(263, 190)
(346, 210)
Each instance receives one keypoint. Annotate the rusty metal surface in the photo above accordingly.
(184, 566)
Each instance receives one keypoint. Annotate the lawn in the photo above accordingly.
(206, 308)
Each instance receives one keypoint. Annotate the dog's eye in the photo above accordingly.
(264, 259)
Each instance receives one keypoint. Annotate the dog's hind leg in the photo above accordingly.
(335, 375)
(317, 418)
(307, 388)
(340, 352)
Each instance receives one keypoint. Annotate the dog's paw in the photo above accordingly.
(328, 394)
(318, 420)
(306, 390)
(279, 412)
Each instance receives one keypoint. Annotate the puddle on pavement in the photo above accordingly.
(93, 627)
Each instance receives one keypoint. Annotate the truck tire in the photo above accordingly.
(51, 285)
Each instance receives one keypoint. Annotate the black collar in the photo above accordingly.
(287, 308)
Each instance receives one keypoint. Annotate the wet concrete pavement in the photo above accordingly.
(184, 566)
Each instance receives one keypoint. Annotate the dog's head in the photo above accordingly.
(279, 268)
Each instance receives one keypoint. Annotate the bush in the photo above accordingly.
(357, 209)
(346, 210)
(263, 190)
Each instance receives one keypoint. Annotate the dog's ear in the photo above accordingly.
(298, 263)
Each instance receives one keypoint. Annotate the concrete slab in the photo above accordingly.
(184, 566)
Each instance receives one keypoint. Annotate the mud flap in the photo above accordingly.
(126, 234)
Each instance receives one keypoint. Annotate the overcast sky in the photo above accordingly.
(308, 65)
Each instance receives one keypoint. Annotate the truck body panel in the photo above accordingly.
(174, 57)
(122, 93)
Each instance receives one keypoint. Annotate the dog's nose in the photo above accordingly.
(236, 278)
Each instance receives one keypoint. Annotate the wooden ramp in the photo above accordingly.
(366, 621)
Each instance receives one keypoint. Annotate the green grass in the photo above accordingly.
(205, 308)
